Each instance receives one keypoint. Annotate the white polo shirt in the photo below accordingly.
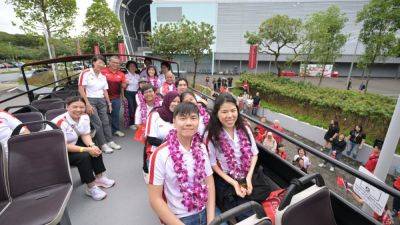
(157, 127)
(68, 126)
(7, 124)
(94, 84)
(162, 173)
(133, 81)
(217, 155)
(138, 113)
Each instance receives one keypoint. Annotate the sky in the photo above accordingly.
(7, 15)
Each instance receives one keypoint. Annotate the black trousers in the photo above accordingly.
(130, 96)
(87, 165)
(227, 199)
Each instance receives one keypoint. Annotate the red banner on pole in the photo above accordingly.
(121, 51)
(96, 49)
(253, 57)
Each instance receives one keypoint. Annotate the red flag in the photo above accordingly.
(340, 182)
(253, 57)
(96, 49)
(121, 51)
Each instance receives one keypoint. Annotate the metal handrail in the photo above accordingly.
(29, 92)
(374, 182)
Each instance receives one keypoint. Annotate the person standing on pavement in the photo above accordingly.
(256, 104)
(116, 85)
(147, 63)
(165, 68)
(357, 140)
(132, 78)
(338, 146)
(93, 88)
(331, 134)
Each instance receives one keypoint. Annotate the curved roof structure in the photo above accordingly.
(135, 18)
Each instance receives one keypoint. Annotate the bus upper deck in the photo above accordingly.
(128, 202)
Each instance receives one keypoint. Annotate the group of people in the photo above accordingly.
(337, 143)
(183, 144)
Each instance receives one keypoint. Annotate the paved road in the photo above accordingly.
(384, 86)
(13, 76)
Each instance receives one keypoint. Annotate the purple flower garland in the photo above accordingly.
(195, 194)
(203, 112)
(143, 106)
(235, 170)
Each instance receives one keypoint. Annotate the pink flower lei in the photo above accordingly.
(203, 112)
(143, 106)
(195, 193)
(153, 81)
(235, 170)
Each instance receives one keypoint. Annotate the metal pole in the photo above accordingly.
(352, 63)
(388, 149)
(389, 145)
(50, 55)
(212, 63)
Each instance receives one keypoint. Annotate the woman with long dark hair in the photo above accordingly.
(357, 140)
(233, 153)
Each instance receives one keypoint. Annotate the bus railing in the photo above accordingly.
(374, 182)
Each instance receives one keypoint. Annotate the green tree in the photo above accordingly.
(196, 40)
(324, 31)
(164, 40)
(102, 25)
(54, 17)
(380, 23)
(274, 34)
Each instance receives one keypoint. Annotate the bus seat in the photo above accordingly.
(39, 178)
(4, 197)
(313, 199)
(64, 94)
(53, 113)
(43, 105)
(30, 117)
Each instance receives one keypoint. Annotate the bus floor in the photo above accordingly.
(126, 202)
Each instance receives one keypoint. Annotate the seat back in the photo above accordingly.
(64, 94)
(43, 105)
(53, 113)
(31, 117)
(37, 160)
(313, 199)
(4, 197)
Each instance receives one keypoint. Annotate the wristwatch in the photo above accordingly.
(91, 145)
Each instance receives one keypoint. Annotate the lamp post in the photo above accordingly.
(352, 63)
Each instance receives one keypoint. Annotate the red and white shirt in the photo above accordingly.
(94, 84)
(162, 173)
(7, 124)
(167, 88)
(115, 79)
(70, 127)
(138, 113)
(217, 155)
(157, 127)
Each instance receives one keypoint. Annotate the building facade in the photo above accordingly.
(231, 19)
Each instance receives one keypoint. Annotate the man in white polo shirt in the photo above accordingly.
(93, 88)
(180, 170)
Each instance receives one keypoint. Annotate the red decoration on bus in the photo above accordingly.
(121, 51)
(96, 49)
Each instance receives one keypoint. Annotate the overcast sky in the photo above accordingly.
(7, 15)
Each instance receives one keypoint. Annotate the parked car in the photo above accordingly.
(288, 73)
(335, 74)
(39, 71)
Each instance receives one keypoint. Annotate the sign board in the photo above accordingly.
(315, 70)
(253, 57)
(372, 196)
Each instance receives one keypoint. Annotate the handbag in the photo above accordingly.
(261, 186)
